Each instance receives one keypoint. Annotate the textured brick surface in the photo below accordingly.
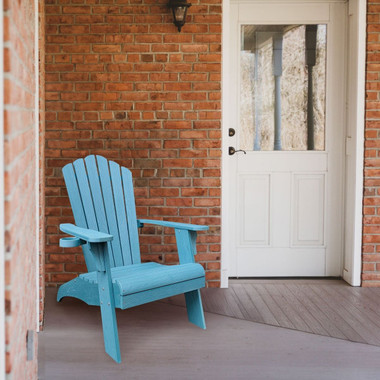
(371, 210)
(123, 83)
(41, 57)
(20, 186)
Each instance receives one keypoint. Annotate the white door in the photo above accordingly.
(286, 108)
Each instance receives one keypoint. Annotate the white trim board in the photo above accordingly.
(37, 167)
(2, 228)
(355, 140)
(226, 123)
(355, 134)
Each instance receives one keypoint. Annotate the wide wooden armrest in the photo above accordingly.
(178, 226)
(90, 236)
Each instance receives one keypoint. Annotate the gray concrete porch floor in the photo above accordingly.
(157, 342)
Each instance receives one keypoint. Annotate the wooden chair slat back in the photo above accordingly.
(102, 198)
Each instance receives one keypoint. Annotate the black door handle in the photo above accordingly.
(232, 150)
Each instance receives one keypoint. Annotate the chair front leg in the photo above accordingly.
(195, 309)
(186, 244)
(107, 302)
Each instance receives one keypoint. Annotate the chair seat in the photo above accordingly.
(142, 277)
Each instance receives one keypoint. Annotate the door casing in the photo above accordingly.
(355, 132)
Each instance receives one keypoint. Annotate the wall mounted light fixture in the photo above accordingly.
(179, 10)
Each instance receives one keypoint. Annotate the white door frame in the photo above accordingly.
(357, 12)
(355, 139)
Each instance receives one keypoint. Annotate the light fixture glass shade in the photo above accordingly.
(179, 13)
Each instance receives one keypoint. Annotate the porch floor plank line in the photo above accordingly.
(359, 319)
(360, 304)
(299, 309)
(325, 314)
(330, 308)
(248, 308)
(234, 303)
(365, 299)
(371, 297)
(277, 312)
(310, 313)
(225, 303)
(352, 327)
(375, 292)
(260, 304)
(290, 306)
(313, 303)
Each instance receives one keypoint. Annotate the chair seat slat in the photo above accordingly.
(141, 277)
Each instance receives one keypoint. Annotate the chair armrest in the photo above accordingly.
(186, 235)
(90, 236)
(178, 226)
(97, 244)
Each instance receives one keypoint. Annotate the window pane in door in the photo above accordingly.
(282, 87)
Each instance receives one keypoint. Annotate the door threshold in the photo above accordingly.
(282, 280)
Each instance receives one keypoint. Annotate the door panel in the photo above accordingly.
(254, 262)
(309, 209)
(286, 201)
(255, 224)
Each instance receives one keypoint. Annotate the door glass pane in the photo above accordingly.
(282, 87)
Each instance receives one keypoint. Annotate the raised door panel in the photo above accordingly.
(309, 209)
(254, 210)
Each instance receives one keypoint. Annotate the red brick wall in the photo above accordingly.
(371, 211)
(20, 185)
(123, 83)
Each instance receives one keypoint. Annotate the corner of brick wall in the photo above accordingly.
(123, 83)
(41, 58)
(20, 186)
(371, 209)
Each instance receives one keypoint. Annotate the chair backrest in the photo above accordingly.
(102, 199)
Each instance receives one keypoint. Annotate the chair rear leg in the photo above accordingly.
(195, 309)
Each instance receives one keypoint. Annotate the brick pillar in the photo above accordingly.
(20, 186)
(41, 53)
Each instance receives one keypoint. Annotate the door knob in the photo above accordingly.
(231, 132)
(232, 150)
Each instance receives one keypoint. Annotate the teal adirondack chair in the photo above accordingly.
(103, 204)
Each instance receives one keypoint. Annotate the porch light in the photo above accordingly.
(179, 10)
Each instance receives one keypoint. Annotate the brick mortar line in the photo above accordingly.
(15, 80)
(10, 45)
(8, 226)
(9, 137)
(10, 167)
